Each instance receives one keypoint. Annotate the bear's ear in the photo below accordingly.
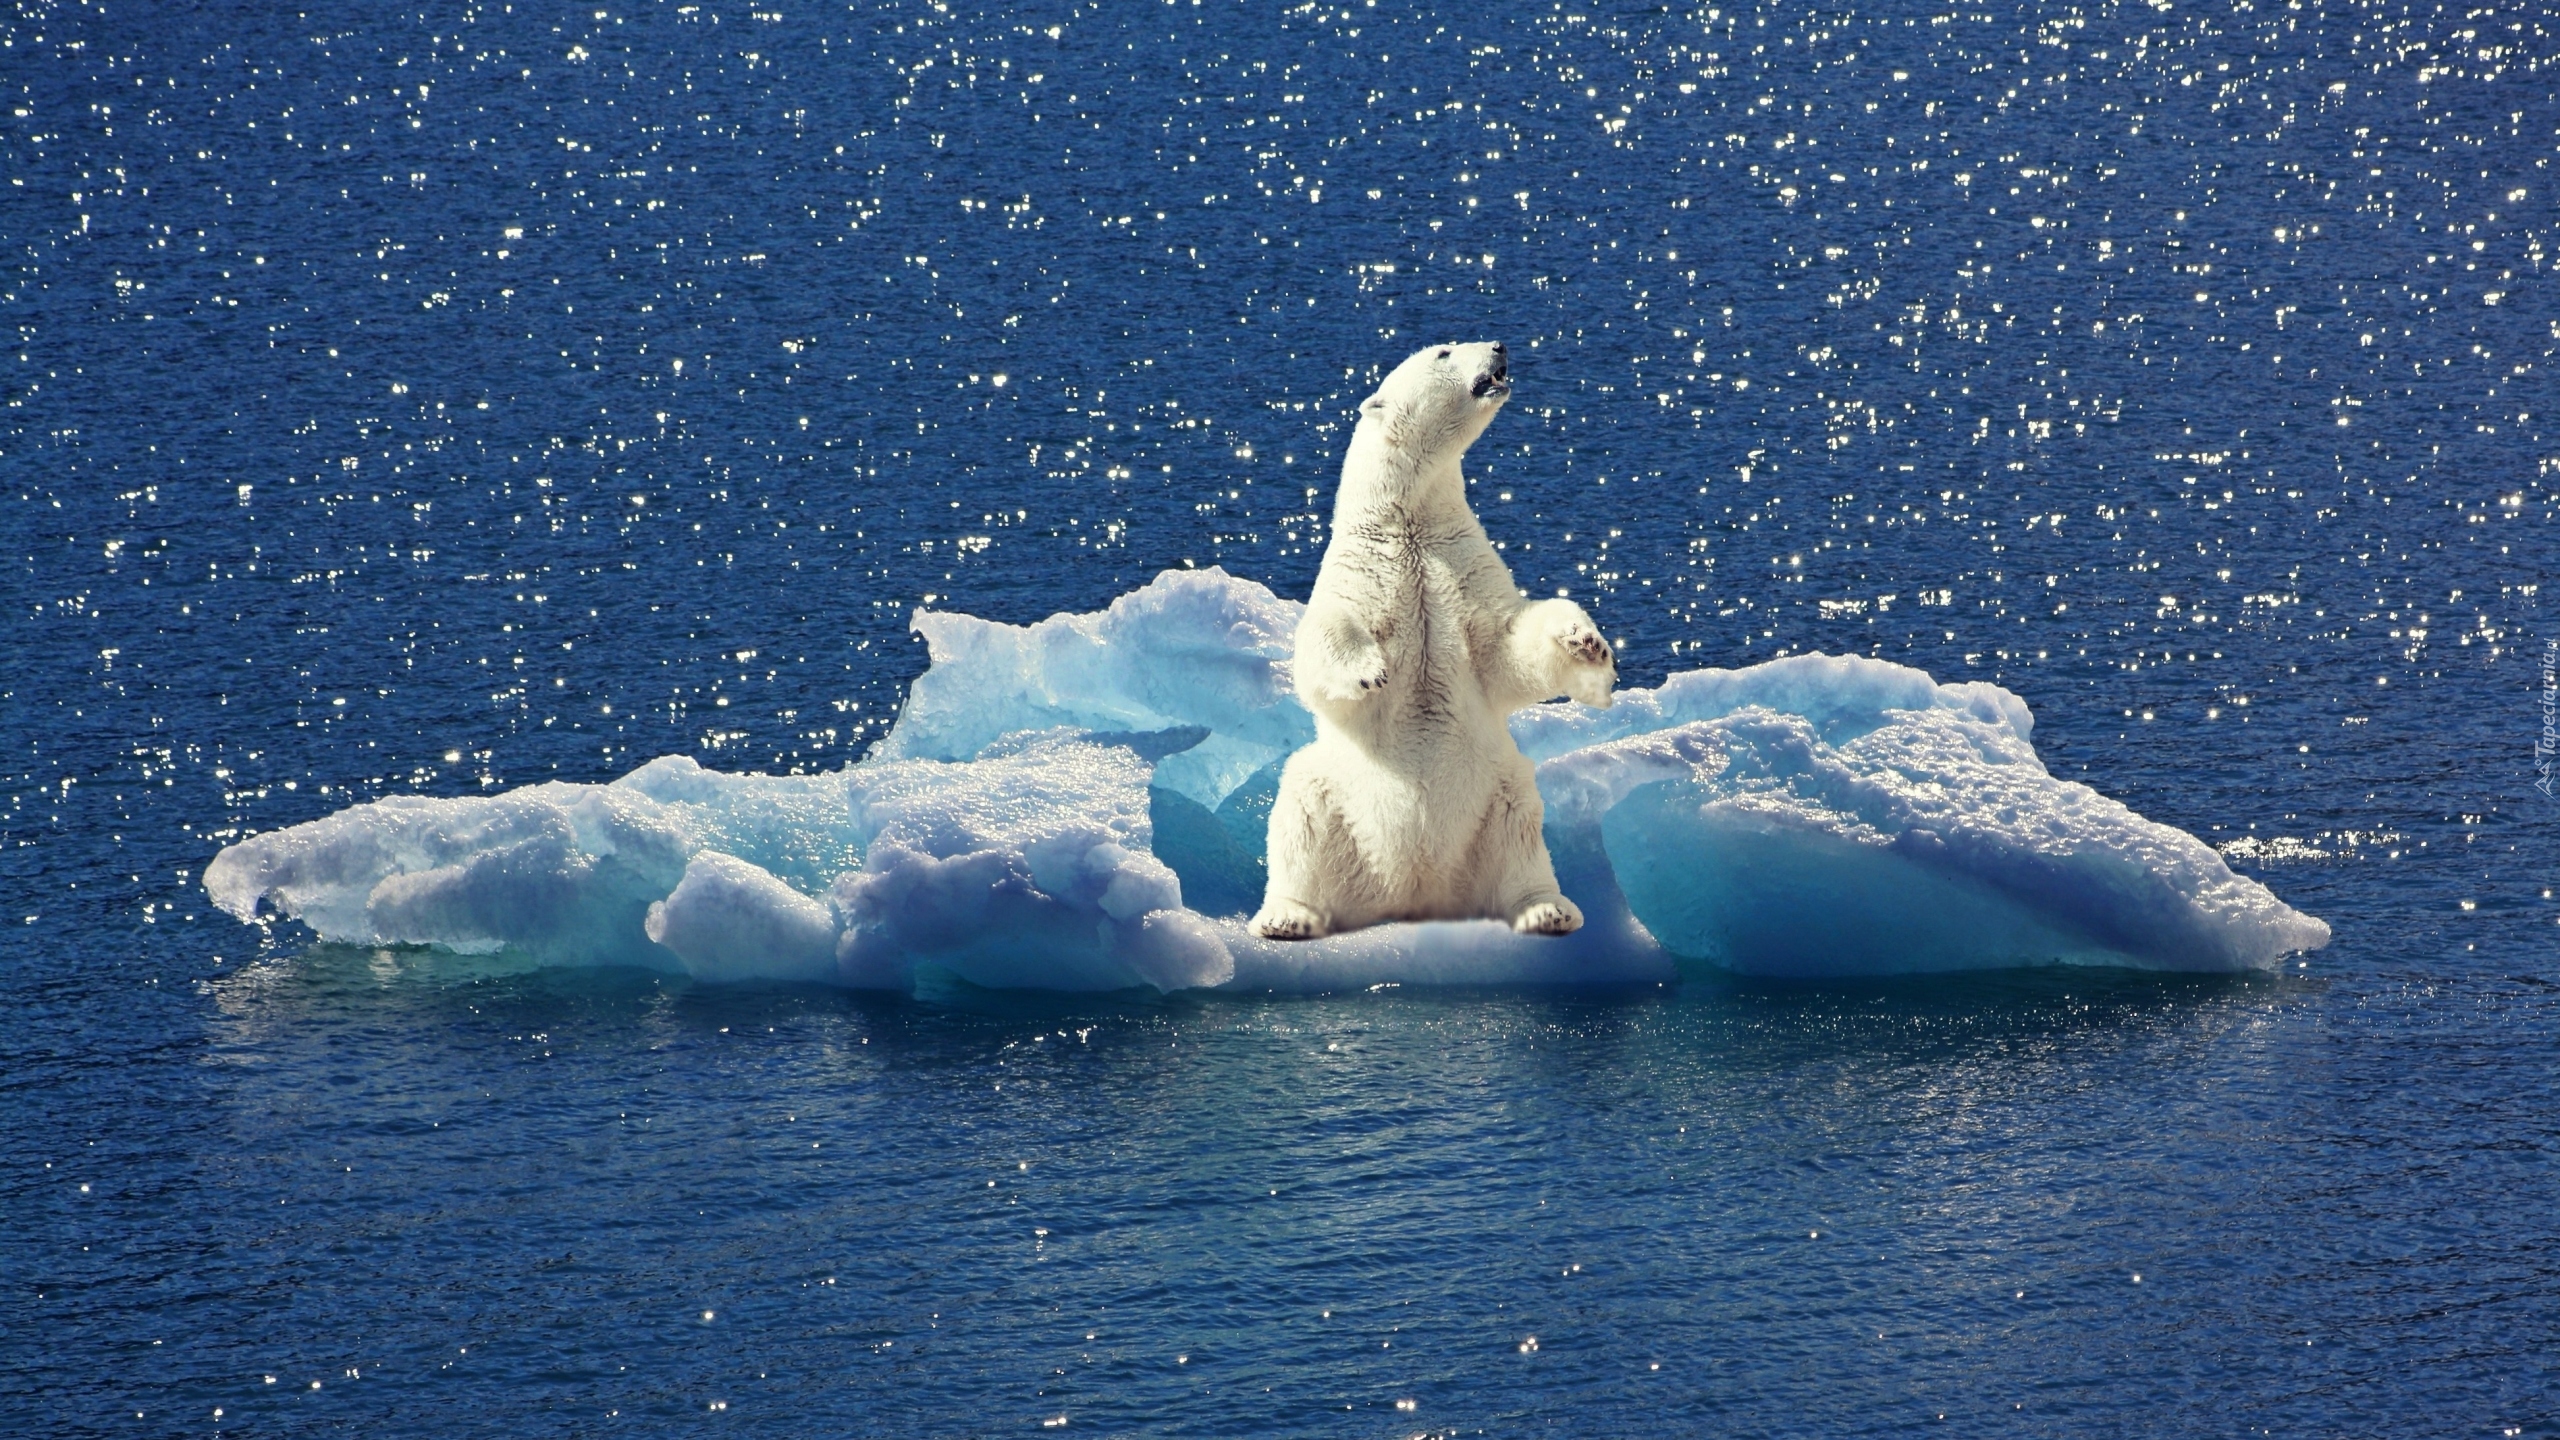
(1376, 404)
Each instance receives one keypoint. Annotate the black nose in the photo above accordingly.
(1501, 362)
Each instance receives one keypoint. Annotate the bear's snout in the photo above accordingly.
(1496, 379)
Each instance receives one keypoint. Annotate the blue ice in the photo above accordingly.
(1078, 805)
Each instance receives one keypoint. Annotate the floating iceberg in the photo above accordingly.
(1078, 805)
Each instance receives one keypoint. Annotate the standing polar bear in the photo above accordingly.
(1413, 803)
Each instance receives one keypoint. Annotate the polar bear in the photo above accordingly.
(1413, 803)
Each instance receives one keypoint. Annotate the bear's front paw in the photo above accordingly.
(1591, 666)
(1352, 685)
(1585, 646)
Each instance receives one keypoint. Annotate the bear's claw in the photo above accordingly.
(1594, 664)
(1586, 647)
(1547, 917)
(1283, 920)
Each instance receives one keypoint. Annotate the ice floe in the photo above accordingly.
(1078, 805)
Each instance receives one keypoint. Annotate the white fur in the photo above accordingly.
(1413, 803)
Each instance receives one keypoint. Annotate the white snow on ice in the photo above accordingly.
(1051, 791)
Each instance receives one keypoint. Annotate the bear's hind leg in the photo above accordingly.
(1522, 889)
(1302, 830)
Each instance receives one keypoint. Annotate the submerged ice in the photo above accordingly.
(1078, 805)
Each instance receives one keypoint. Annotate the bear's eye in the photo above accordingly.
(1444, 354)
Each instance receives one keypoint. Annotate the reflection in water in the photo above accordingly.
(1412, 1182)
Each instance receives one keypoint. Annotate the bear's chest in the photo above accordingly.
(1418, 606)
(1412, 584)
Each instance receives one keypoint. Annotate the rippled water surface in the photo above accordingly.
(437, 400)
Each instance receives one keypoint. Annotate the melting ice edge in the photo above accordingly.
(1079, 805)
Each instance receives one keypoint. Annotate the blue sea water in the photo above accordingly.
(409, 400)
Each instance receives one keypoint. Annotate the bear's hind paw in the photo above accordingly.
(1286, 920)
(1547, 917)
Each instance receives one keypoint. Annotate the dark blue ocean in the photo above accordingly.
(432, 400)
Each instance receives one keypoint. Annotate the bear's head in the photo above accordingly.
(1439, 400)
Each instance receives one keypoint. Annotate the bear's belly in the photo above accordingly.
(1416, 811)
